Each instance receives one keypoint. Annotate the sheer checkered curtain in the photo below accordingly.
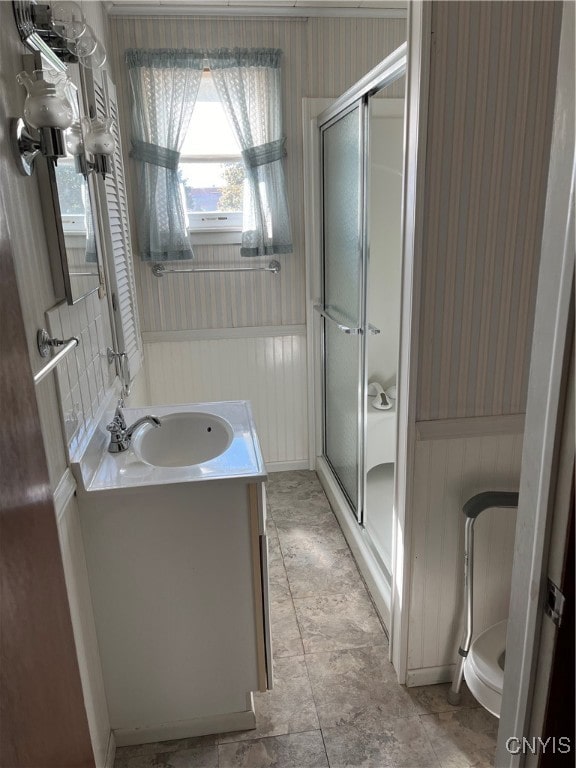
(249, 85)
(164, 87)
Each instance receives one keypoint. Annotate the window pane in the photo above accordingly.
(212, 186)
(209, 132)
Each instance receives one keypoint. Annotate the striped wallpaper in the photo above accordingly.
(490, 109)
(322, 57)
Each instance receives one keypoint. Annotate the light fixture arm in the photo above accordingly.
(26, 147)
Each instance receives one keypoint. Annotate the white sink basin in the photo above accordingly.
(183, 439)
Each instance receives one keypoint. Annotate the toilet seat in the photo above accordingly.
(484, 667)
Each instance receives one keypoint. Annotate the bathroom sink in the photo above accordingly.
(183, 439)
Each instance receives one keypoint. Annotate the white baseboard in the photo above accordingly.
(369, 567)
(198, 726)
(287, 466)
(430, 676)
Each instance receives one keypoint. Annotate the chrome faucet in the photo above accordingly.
(121, 434)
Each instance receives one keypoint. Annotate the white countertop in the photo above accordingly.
(99, 470)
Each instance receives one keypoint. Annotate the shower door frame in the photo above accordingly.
(361, 103)
(390, 70)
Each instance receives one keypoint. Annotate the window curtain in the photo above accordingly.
(248, 83)
(164, 86)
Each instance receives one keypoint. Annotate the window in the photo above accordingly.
(211, 170)
(173, 187)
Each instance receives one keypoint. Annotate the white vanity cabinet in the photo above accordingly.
(178, 577)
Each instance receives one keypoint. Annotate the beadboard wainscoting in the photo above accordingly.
(80, 601)
(265, 366)
(449, 470)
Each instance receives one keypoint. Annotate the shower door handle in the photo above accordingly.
(341, 327)
(372, 330)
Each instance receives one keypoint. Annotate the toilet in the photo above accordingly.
(484, 667)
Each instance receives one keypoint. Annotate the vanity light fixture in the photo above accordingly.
(46, 111)
(99, 141)
(59, 31)
(96, 139)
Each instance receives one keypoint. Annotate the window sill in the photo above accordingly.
(215, 237)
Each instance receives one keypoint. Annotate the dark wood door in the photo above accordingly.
(43, 721)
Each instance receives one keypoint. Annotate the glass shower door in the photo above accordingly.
(342, 309)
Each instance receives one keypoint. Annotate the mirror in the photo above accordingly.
(67, 196)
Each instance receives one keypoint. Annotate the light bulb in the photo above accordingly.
(94, 60)
(84, 45)
(68, 20)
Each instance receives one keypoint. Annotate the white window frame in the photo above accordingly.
(213, 227)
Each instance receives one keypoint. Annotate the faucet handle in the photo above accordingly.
(118, 439)
(115, 425)
(119, 415)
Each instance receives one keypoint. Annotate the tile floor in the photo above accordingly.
(335, 702)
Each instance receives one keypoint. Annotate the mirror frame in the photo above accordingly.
(49, 198)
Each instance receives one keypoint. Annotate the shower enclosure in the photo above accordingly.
(361, 158)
